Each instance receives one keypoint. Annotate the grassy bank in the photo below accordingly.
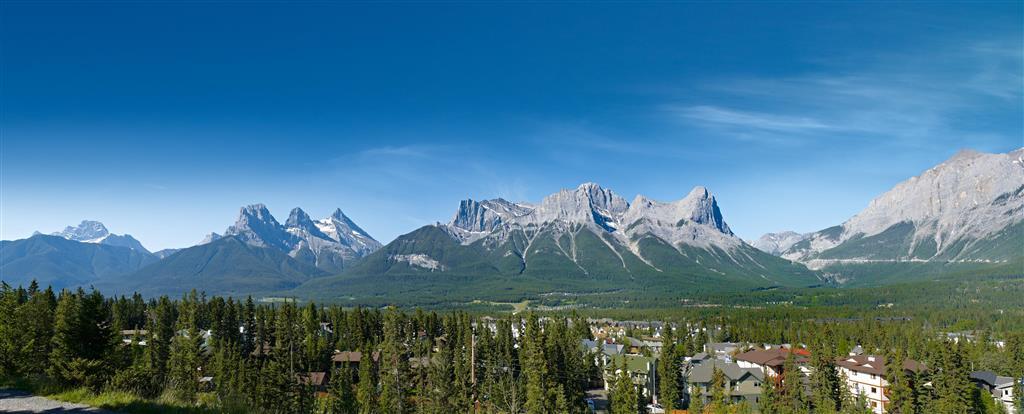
(119, 401)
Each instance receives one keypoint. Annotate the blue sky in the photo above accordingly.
(162, 119)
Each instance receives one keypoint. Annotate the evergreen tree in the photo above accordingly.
(393, 366)
(534, 365)
(792, 395)
(185, 362)
(624, 398)
(366, 394)
(696, 400)
(668, 370)
(719, 390)
(825, 386)
(162, 320)
(342, 392)
(82, 339)
(33, 331)
(769, 400)
(950, 382)
(900, 391)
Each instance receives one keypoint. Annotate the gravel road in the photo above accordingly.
(14, 401)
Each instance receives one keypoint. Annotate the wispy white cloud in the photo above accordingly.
(909, 100)
(757, 120)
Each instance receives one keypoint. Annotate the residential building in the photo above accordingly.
(865, 374)
(742, 384)
(770, 361)
(640, 369)
(1000, 387)
(722, 350)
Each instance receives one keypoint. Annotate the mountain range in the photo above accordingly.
(965, 211)
(963, 215)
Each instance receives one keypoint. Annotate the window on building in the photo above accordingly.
(874, 390)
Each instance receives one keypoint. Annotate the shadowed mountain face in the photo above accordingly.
(577, 240)
(56, 261)
(227, 266)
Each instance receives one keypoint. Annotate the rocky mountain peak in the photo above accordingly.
(327, 243)
(90, 231)
(85, 231)
(704, 209)
(299, 218)
(776, 243)
(210, 238)
(940, 213)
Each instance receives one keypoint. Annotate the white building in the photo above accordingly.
(865, 375)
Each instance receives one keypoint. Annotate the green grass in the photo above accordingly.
(130, 403)
(119, 401)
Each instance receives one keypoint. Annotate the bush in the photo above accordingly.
(138, 380)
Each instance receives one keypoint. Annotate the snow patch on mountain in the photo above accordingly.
(694, 220)
(328, 243)
(419, 260)
(90, 231)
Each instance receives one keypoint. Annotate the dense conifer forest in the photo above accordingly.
(213, 354)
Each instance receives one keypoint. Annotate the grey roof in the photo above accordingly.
(991, 378)
(702, 373)
(609, 349)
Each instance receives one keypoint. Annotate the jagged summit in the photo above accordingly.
(209, 238)
(694, 220)
(90, 231)
(86, 231)
(584, 235)
(327, 243)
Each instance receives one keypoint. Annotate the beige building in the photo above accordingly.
(865, 375)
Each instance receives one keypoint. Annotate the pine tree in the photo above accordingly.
(769, 399)
(342, 392)
(162, 320)
(624, 399)
(534, 366)
(825, 386)
(34, 331)
(366, 394)
(697, 400)
(393, 366)
(668, 369)
(950, 382)
(900, 391)
(82, 339)
(719, 390)
(792, 399)
(8, 330)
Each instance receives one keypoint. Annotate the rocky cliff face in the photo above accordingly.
(329, 243)
(949, 213)
(588, 233)
(776, 243)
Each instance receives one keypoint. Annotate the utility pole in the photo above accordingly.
(472, 364)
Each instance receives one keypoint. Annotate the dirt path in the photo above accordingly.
(14, 401)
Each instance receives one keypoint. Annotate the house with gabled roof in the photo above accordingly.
(998, 386)
(742, 384)
(772, 360)
(865, 375)
(641, 371)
